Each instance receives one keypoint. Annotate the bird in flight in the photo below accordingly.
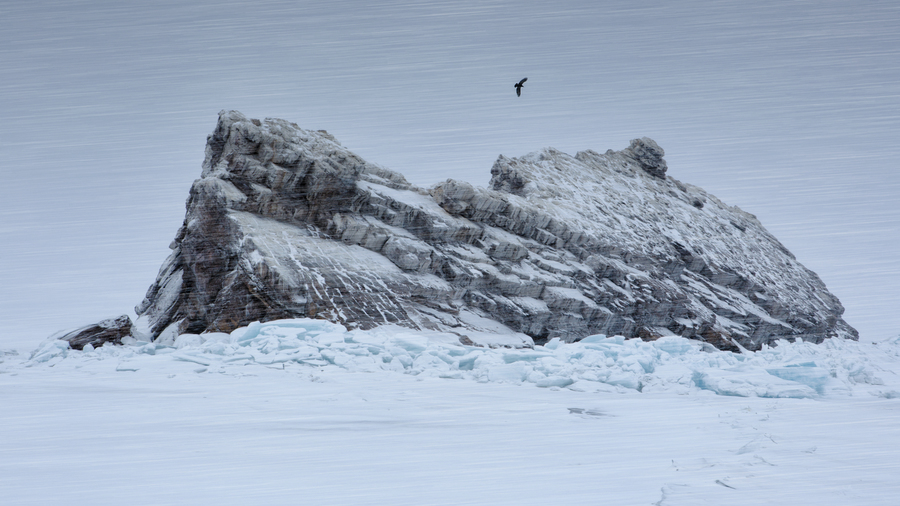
(519, 87)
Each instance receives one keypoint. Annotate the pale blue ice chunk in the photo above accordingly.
(600, 338)
(748, 381)
(244, 335)
(441, 354)
(523, 355)
(307, 325)
(298, 326)
(456, 351)
(217, 348)
(49, 350)
(467, 362)
(625, 379)
(553, 343)
(188, 341)
(674, 345)
(363, 337)
(395, 365)
(337, 358)
(554, 381)
(358, 351)
(507, 373)
(327, 338)
(806, 373)
(216, 337)
(552, 365)
(365, 364)
(412, 343)
(403, 357)
(647, 362)
(430, 364)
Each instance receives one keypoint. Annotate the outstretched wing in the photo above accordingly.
(519, 87)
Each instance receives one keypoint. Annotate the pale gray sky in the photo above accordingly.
(790, 110)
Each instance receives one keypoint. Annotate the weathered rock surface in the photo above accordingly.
(285, 222)
(112, 330)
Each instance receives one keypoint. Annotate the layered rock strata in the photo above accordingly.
(285, 222)
(112, 330)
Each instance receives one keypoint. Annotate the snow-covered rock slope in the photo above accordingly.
(286, 223)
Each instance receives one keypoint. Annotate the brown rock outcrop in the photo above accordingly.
(112, 330)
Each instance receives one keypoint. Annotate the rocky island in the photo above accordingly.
(287, 223)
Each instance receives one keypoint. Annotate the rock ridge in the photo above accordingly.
(285, 222)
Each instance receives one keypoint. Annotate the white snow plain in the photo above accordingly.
(307, 412)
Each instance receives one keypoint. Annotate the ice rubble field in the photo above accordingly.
(307, 412)
(596, 363)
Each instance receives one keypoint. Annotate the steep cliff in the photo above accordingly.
(285, 222)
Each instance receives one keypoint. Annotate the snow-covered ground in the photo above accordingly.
(306, 412)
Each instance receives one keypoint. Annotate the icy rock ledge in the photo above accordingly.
(596, 363)
(286, 223)
(111, 330)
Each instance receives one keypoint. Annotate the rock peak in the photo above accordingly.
(648, 155)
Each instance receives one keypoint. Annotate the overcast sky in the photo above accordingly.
(790, 110)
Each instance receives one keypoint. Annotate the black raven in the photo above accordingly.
(519, 87)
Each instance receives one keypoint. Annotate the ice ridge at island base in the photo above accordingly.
(670, 364)
(286, 223)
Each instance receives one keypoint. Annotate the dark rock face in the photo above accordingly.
(285, 222)
(107, 331)
(648, 155)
